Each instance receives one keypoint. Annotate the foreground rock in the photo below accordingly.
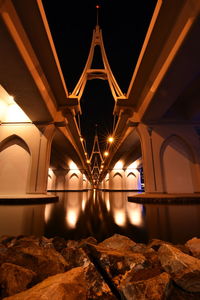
(118, 268)
(184, 269)
(194, 246)
(14, 279)
(37, 255)
(77, 284)
(145, 284)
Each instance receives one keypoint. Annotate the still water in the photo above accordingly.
(101, 214)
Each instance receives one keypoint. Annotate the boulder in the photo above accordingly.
(14, 279)
(194, 246)
(77, 284)
(184, 269)
(148, 284)
(74, 257)
(36, 255)
(118, 242)
(114, 262)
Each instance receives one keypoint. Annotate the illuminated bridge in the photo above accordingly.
(155, 141)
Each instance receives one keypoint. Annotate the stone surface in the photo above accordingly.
(145, 284)
(115, 262)
(118, 242)
(194, 246)
(65, 286)
(184, 269)
(37, 255)
(77, 284)
(14, 279)
(74, 257)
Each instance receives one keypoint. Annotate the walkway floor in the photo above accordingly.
(27, 199)
(165, 198)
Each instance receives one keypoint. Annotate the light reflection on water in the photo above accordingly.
(101, 214)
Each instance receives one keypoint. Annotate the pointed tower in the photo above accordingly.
(96, 158)
(89, 73)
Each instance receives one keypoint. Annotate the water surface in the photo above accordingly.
(101, 214)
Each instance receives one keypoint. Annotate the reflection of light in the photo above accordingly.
(83, 204)
(72, 217)
(120, 217)
(73, 166)
(47, 212)
(135, 213)
(108, 204)
(118, 165)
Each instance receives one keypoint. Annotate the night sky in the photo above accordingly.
(124, 25)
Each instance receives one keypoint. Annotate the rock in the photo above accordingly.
(156, 243)
(194, 246)
(77, 284)
(118, 242)
(34, 255)
(184, 269)
(74, 257)
(14, 279)
(146, 285)
(65, 286)
(179, 294)
(114, 262)
(59, 243)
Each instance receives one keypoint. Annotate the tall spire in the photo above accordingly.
(89, 73)
(97, 7)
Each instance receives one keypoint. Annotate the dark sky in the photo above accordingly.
(124, 25)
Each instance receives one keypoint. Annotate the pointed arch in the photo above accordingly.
(14, 139)
(177, 165)
(15, 164)
(131, 173)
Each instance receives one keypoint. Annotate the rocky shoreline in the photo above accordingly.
(33, 268)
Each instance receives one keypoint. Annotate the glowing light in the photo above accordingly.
(110, 139)
(85, 153)
(120, 217)
(106, 153)
(134, 212)
(72, 217)
(108, 204)
(47, 212)
(73, 166)
(133, 165)
(88, 161)
(118, 165)
(81, 139)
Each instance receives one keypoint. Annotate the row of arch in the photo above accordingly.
(171, 163)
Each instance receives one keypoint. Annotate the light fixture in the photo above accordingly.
(88, 161)
(106, 153)
(110, 139)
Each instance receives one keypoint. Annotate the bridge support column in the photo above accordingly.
(170, 155)
(24, 158)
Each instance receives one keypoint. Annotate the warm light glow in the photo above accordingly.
(118, 165)
(85, 153)
(81, 139)
(106, 153)
(72, 217)
(88, 161)
(9, 110)
(73, 166)
(120, 217)
(108, 204)
(133, 165)
(47, 212)
(110, 139)
(135, 214)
